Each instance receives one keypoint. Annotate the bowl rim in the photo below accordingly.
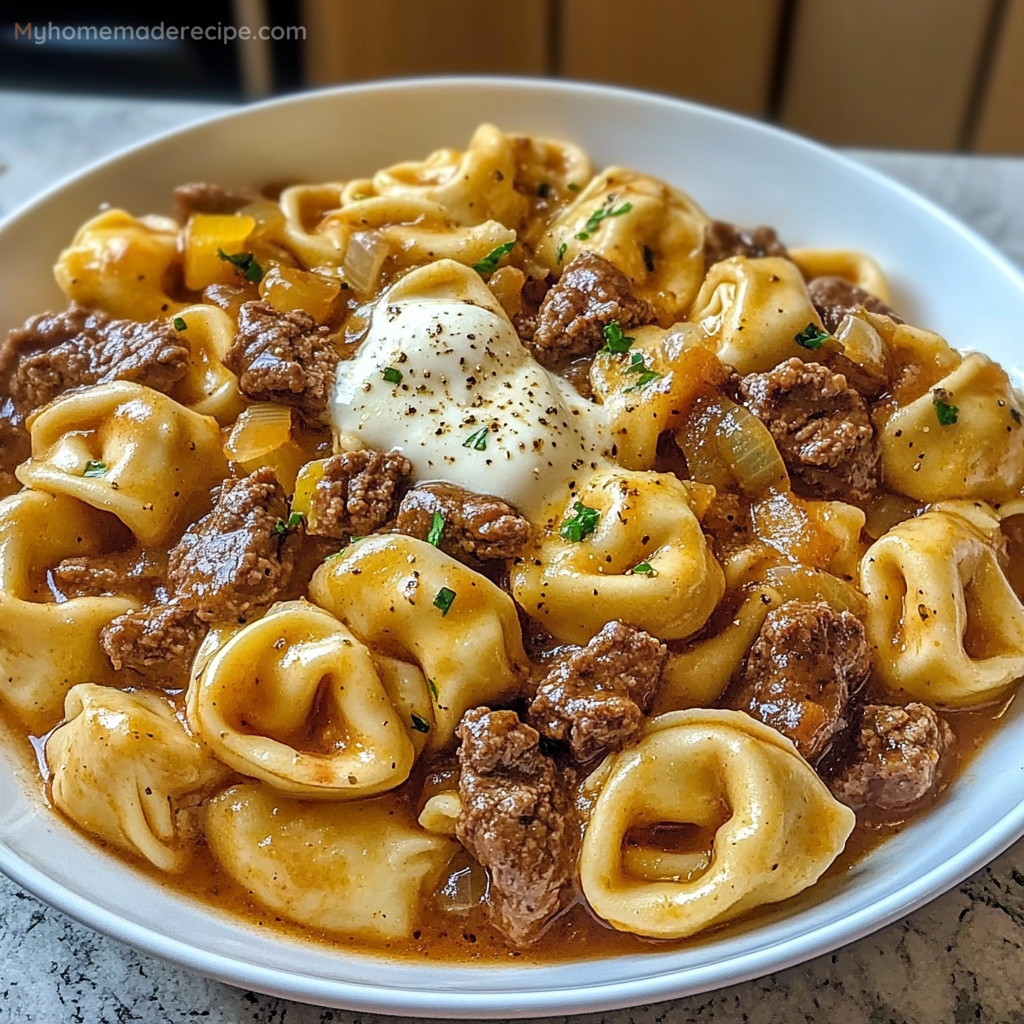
(371, 996)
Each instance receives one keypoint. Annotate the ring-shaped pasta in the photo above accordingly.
(405, 598)
(122, 764)
(945, 624)
(47, 647)
(120, 265)
(776, 826)
(751, 311)
(127, 449)
(574, 587)
(208, 387)
(962, 439)
(294, 699)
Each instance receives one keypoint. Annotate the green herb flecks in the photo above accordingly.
(638, 365)
(444, 600)
(615, 341)
(293, 523)
(582, 524)
(606, 211)
(244, 263)
(490, 262)
(561, 251)
(436, 529)
(812, 337)
(573, 187)
(649, 259)
(433, 689)
(543, 190)
(179, 324)
(477, 440)
(95, 468)
(945, 412)
(391, 375)
(420, 724)
(643, 569)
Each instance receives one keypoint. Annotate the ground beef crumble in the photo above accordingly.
(835, 297)
(517, 819)
(356, 493)
(595, 697)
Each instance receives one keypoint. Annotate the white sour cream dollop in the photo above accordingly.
(472, 407)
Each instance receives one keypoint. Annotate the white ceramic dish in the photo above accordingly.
(944, 277)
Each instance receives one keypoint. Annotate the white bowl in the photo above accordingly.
(944, 277)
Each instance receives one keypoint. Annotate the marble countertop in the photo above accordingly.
(960, 959)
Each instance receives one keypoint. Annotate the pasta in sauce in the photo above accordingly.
(495, 558)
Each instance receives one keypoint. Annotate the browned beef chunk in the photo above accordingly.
(517, 819)
(54, 352)
(162, 634)
(723, 240)
(835, 297)
(202, 197)
(15, 445)
(589, 295)
(120, 572)
(801, 670)
(895, 759)
(475, 525)
(356, 493)
(283, 357)
(235, 558)
(596, 696)
(821, 426)
(532, 297)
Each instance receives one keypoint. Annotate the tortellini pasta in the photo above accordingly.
(857, 267)
(407, 599)
(123, 767)
(127, 449)
(751, 311)
(47, 646)
(358, 868)
(652, 232)
(296, 700)
(946, 626)
(209, 387)
(776, 826)
(121, 265)
(962, 439)
(652, 520)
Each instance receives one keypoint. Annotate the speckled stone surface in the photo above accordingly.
(958, 960)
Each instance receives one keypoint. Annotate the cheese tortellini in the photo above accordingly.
(945, 623)
(358, 868)
(127, 449)
(776, 827)
(296, 700)
(123, 767)
(209, 387)
(651, 520)
(962, 439)
(751, 311)
(406, 598)
(46, 646)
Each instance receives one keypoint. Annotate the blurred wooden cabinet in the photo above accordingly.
(930, 74)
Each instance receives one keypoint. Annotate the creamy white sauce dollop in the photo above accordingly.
(472, 407)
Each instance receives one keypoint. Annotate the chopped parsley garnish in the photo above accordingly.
(179, 324)
(433, 689)
(573, 187)
(614, 340)
(594, 220)
(561, 251)
(420, 724)
(945, 413)
(444, 599)
(244, 263)
(490, 262)
(811, 337)
(94, 468)
(543, 190)
(649, 259)
(637, 364)
(582, 524)
(644, 569)
(293, 523)
(391, 375)
(436, 529)
(477, 440)
(1014, 415)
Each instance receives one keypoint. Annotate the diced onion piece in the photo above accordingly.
(364, 259)
(862, 344)
(887, 511)
(205, 235)
(799, 583)
(259, 430)
(697, 440)
(287, 289)
(750, 451)
(463, 889)
(309, 476)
